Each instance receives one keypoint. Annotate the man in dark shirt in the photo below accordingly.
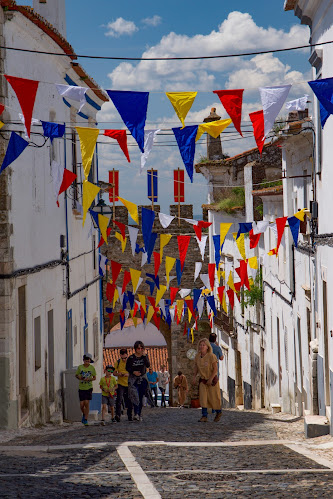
(137, 365)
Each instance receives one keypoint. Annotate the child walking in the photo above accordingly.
(86, 374)
(108, 385)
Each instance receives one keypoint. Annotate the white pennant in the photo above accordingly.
(127, 312)
(121, 295)
(34, 121)
(205, 280)
(144, 259)
(102, 263)
(57, 172)
(260, 227)
(133, 235)
(297, 104)
(139, 284)
(165, 220)
(198, 266)
(202, 245)
(162, 306)
(172, 313)
(90, 230)
(274, 229)
(184, 292)
(200, 305)
(272, 100)
(150, 136)
(72, 92)
(191, 221)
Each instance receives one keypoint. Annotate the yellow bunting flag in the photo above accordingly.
(150, 314)
(189, 315)
(132, 209)
(169, 263)
(115, 297)
(135, 321)
(300, 214)
(180, 306)
(142, 300)
(251, 282)
(1, 124)
(224, 304)
(224, 229)
(213, 128)
(240, 244)
(253, 262)
(135, 276)
(192, 334)
(230, 282)
(123, 241)
(164, 239)
(159, 293)
(89, 193)
(103, 223)
(182, 103)
(88, 139)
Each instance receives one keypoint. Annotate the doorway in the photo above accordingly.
(239, 379)
(262, 376)
(50, 336)
(22, 350)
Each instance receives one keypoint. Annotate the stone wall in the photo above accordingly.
(177, 344)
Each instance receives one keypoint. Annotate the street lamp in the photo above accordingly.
(100, 209)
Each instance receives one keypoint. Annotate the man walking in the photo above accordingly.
(163, 381)
(122, 392)
(86, 374)
(153, 379)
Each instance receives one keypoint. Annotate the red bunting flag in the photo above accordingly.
(231, 297)
(185, 329)
(157, 320)
(189, 303)
(254, 239)
(232, 101)
(136, 306)
(121, 137)
(242, 272)
(238, 286)
(142, 313)
(114, 181)
(173, 292)
(122, 228)
(183, 242)
(127, 279)
(220, 291)
(110, 289)
(157, 261)
(280, 225)
(67, 180)
(211, 274)
(111, 317)
(25, 91)
(152, 301)
(115, 270)
(258, 124)
(2, 108)
(198, 228)
(101, 241)
(178, 186)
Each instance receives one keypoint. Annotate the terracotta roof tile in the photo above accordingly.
(157, 356)
(268, 191)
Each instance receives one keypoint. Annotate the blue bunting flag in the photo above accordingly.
(186, 142)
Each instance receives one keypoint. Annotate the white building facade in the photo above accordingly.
(50, 289)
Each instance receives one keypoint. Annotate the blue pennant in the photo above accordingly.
(53, 130)
(155, 279)
(211, 303)
(186, 142)
(179, 271)
(323, 89)
(147, 217)
(196, 296)
(16, 146)
(152, 286)
(151, 245)
(244, 228)
(294, 224)
(216, 240)
(130, 296)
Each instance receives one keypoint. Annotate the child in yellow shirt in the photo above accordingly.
(108, 385)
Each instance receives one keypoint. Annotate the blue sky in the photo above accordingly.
(173, 28)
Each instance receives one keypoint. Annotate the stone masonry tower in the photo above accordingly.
(54, 12)
(214, 146)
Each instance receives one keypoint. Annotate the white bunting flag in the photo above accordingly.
(184, 292)
(127, 312)
(198, 266)
(144, 259)
(202, 245)
(272, 100)
(274, 229)
(162, 306)
(121, 295)
(165, 220)
(77, 94)
(205, 280)
(191, 221)
(102, 263)
(150, 136)
(57, 173)
(172, 313)
(297, 104)
(133, 235)
(260, 227)
(34, 121)
(200, 305)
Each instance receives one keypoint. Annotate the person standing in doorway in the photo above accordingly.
(163, 381)
(180, 384)
(86, 374)
(153, 379)
(138, 386)
(122, 392)
(108, 385)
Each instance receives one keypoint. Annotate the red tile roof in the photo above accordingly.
(268, 191)
(157, 355)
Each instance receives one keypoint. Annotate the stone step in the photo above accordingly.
(316, 426)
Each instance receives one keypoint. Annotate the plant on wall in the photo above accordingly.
(254, 295)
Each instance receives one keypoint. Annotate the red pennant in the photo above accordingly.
(258, 124)
(254, 239)
(189, 303)
(25, 91)
(122, 228)
(232, 102)
(242, 272)
(67, 180)
(136, 306)
(101, 241)
(173, 292)
(211, 274)
(204, 225)
(157, 262)
(185, 329)
(197, 230)
(280, 225)
(220, 291)
(157, 320)
(183, 242)
(237, 285)
(196, 322)
(2, 108)
(127, 279)
(115, 270)
(142, 313)
(152, 301)
(231, 297)
(120, 136)
(110, 289)
(211, 322)
(111, 317)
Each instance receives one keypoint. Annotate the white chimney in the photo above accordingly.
(54, 12)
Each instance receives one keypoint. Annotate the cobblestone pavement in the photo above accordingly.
(168, 455)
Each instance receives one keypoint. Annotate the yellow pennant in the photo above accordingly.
(132, 209)
(159, 293)
(89, 192)
(123, 241)
(103, 223)
(150, 313)
(231, 282)
(300, 214)
(164, 239)
(135, 321)
(115, 296)
(169, 263)
(240, 244)
(189, 314)
(182, 103)
(192, 334)
(1, 124)
(224, 229)
(251, 282)
(180, 306)
(135, 276)
(253, 262)
(88, 139)
(224, 304)
(214, 128)
(142, 300)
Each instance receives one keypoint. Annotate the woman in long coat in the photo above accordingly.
(209, 388)
(180, 384)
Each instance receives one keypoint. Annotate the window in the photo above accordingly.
(38, 346)
(75, 335)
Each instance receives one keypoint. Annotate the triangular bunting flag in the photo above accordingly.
(224, 229)
(202, 245)
(157, 262)
(122, 228)
(258, 123)
(73, 92)
(280, 225)
(135, 276)
(254, 239)
(179, 271)
(148, 217)
(183, 242)
(272, 100)
(294, 224)
(232, 102)
(103, 223)
(159, 293)
(211, 303)
(186, 142)
(89, 192)
(115, 270)
(182, 103)
(16, 146)
(122, 241)
(220, 291)
(217, 247)
(198, 267)
(88, 139)
(165, 220)
(151, 245)
(164, 239)
(25, 91)
(231, 297)
(53, 130)
(196, 296)
(127, 279)
(150, 136)
(133, 235)
(169, 263)
(240, 244)
(121, 138)
(213, 128)
(244, 228)
(211, 275)
(132, 209)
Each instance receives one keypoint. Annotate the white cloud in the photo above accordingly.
(120, 27)
(152, 21)
(237, 30)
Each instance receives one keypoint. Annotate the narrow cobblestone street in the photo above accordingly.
(168, 455)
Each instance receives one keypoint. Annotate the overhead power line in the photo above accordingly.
(185, 58)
